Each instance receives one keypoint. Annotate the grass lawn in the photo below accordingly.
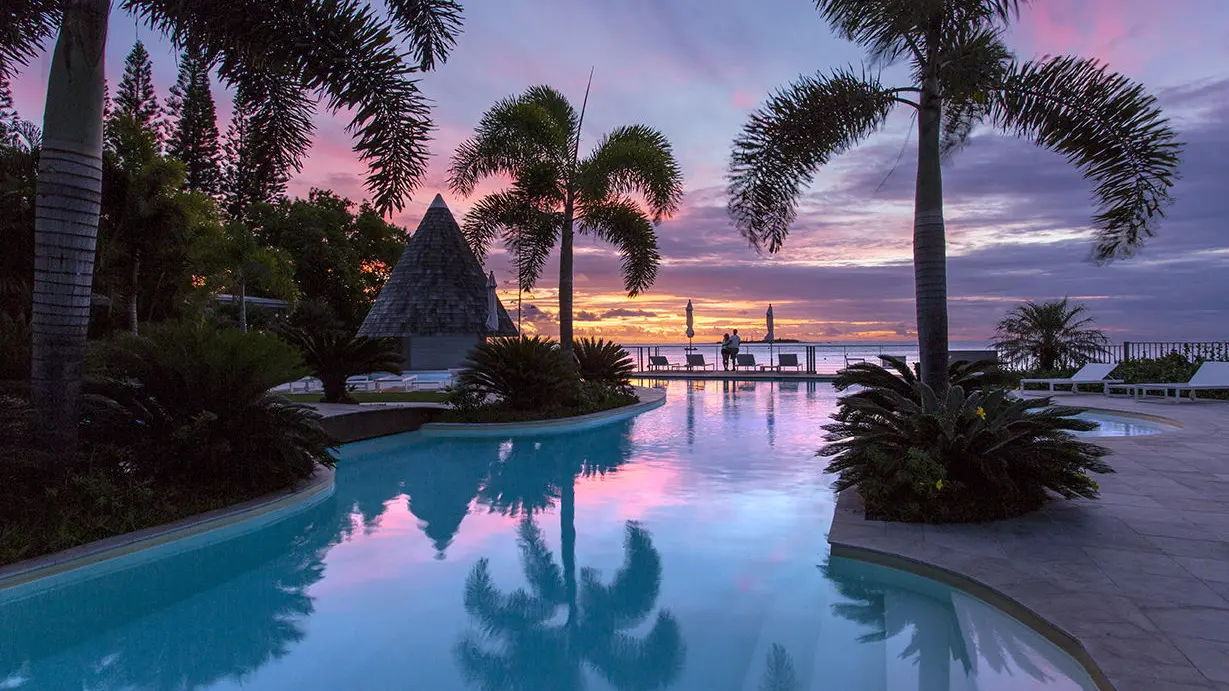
(382, 397)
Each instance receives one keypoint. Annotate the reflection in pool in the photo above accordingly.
(684, 549)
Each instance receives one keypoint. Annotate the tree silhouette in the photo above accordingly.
(520, 645)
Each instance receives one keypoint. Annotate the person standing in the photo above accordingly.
(725, 351)
(734, 342)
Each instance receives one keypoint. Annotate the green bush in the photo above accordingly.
(968, 456)
(524, 373)
(1174, 367)
(603, 362)
(193, 404)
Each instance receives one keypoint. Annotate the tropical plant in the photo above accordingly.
(957, 456)
(1049, 335)
(523, 646)
(335, 355)
(359, 58)
(534, 139)
(235, 259)
(525, 373)
(603, 362)
(200, 408)
(872, 380)
(962, 74)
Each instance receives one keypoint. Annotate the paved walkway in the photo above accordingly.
(1140, 578)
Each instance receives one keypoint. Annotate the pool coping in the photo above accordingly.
(1081, 573)
(649, 398)
(273, 506)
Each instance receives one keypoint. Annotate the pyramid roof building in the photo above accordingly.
(438, 288)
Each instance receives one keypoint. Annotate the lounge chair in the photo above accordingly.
(660, 362)
(695, 360)
(788, 360)
(1211, 376)
(392, 381)
(853, 360)
(745, 360)
(1092, 373)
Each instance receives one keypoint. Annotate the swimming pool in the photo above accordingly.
(1110, 424)
(684, 549)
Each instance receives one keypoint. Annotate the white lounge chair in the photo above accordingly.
(1092, 373)
(1211, 376)
(660, 362)
(788, 360)
(695, 360)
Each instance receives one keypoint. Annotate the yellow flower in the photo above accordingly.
(939, 484)
(981, 413)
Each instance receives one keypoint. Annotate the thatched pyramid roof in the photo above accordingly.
(438, 287)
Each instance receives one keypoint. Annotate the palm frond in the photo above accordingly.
(280, 120)
(514, 133)
(24, 27)
(620, 222)
(974, 62)
(1107, 126)
(532, 243)
(635, 159)
(341, 49)
(488, 219)
(786, 141)
(432, 27)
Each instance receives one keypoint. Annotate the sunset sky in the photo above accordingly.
(1017, 216)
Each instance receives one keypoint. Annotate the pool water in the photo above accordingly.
(1111, 425)
(684, 549)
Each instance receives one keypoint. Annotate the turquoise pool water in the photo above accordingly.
(1111, 425)
(684, 550)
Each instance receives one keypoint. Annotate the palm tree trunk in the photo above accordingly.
(929, 243)
(243, 304)
(567, 540)
(69, 190)
(132, 296)
(565, 280)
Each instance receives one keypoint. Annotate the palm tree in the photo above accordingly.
(962, 75)
(335, 355)
(1049, 335)
(351, 54)
(523, 648)
(534, 138)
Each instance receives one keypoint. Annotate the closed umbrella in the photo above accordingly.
(771, 336)
(492, 304)
(691, 325)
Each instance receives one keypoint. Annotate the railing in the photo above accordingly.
(813, 358)
(829, 358)
(1193, 350)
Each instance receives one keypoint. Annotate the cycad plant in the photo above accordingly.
(362, 58)
(534, 139)
(918, 455)
(524, 373)
(961, 75)
(603, 362)
(1049, 335)
(336, 355)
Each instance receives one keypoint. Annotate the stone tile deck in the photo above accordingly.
(1139, 579)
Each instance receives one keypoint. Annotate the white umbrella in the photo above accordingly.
(771, 336)
(492, 304)
(691, 325)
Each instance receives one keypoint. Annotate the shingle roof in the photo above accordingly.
(437, 288)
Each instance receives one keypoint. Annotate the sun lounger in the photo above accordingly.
(788, 360)
(1092, 373)
(696, 360)
(745, 360)
(660, 362)
(1211, 376)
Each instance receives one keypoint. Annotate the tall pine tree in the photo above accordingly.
(251, 175)
(193, 135)
(136, 96)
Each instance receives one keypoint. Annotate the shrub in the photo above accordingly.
(969, 456)
(193, 404)
(524, 373)
(900, 378)
(1174, 367)
(603, 362)
(334, 356)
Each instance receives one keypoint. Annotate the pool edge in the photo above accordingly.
(272, 506)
